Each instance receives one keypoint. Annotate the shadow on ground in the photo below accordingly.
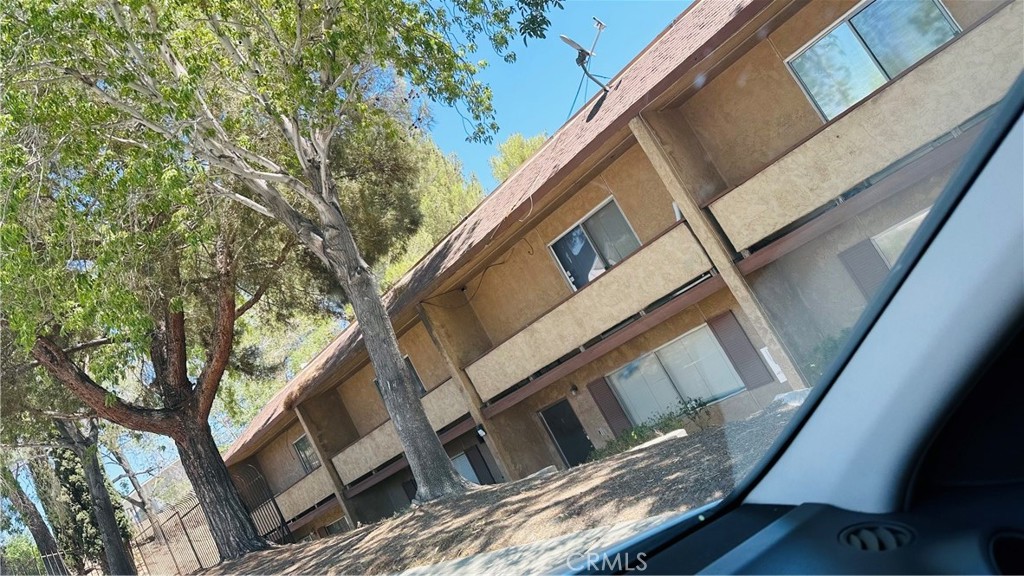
(673, 476)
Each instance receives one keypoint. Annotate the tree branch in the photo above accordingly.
(262, 289)
(106, 404)
(220, 353)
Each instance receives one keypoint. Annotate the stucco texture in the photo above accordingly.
(968, 76)
(305, 493)
(443, 405)
(279, 462)
(541, 451)
(503, 307)
(650, 273)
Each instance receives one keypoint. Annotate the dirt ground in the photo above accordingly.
(672, 476)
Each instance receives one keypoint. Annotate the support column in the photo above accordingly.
(325, 461)
(455, 330)
(681, 182)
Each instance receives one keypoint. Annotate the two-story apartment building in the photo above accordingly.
(708, 228)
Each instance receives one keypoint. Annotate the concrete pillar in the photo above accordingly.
(458, 335)
(682, 165)
(325, 461)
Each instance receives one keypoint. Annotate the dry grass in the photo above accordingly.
(673, 476)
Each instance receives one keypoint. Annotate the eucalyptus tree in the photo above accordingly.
(31, 517)
(203, 77)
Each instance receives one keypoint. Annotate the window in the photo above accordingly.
(868, 48)
(415, 378)
(336, 527)
(692, 366)
(307, 456)
(597, 243)
(890, 243)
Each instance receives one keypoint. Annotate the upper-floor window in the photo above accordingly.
(870, 46)
(416, 382)
(307, 456)
(595, 244)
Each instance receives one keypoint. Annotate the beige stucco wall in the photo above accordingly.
(305, 493)
(425, 357)
(279, 462)
(443, 405)
(754, 111)
(962, 80)
(329, 422)
(363, 401)
(498, 300)
(666, 264)
(360, 396)
(750, 113)
(531, 456)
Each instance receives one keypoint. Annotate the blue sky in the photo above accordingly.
(535, 93)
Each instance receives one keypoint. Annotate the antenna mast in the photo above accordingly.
(583, 55)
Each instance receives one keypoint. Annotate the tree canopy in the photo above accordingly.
(515, 150)
(133, 122)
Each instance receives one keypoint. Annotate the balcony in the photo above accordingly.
(302, 495)
(663, 265)
(970, 74)
(443, 405)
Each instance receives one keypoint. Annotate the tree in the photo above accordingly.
(138, 496)
(18, 555)
(445, 197)
(513, 152)
(84, 445)
(128, 286)
(202, 80)
(30, 516)
(60, 485)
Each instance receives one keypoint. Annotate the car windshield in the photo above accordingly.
(266, 279)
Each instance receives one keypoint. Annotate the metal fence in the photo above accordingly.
(47, 564)
(188, 545)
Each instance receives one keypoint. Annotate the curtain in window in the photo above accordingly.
(611, 234)
(645, 389)
(698, 366)
(578, 257)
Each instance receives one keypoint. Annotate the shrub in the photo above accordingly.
(687, 411)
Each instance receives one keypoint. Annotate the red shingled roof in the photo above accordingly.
(686, 41)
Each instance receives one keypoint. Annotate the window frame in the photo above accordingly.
(558, 263)
(302, 460)
(654, 352)
(922, 214)
(846, 19)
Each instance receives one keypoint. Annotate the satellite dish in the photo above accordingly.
(575, 46)
(583, 55)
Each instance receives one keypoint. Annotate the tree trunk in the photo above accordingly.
(55, 508)
(31, 517)
(119, 559)
(143, 497)
(435, 476)
(229, 520)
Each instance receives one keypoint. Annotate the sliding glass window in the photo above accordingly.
(868, 48)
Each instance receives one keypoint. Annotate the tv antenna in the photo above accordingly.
(583, 55)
